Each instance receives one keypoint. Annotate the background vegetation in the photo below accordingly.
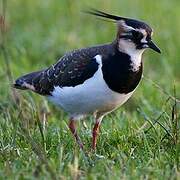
(138, 141)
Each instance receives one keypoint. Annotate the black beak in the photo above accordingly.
(153, 46)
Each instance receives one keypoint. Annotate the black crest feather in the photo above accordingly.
(130, 22)
(104, 15)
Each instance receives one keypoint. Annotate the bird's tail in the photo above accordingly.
(26, 81)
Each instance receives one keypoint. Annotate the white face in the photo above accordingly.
(129, 47)
(132, 41)
(135, 40)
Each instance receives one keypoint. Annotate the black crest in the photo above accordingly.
(130, 22)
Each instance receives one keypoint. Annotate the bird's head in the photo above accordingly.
(132, 35)
(135, 35)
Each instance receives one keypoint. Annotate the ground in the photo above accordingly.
(141, 140)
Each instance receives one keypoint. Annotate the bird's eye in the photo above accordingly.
(148, 38)
(137, 34)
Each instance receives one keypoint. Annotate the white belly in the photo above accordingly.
(92, 96)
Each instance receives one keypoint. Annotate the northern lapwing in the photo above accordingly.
(95, 80)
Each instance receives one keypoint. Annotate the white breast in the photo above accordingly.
(92, 96)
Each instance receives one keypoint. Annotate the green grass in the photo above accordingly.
(141, 140)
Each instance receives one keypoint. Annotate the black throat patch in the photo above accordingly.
(118, 73)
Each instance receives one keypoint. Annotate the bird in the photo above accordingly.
(95, 80)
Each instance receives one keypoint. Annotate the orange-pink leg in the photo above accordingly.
(95, 133)
(72, 127)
